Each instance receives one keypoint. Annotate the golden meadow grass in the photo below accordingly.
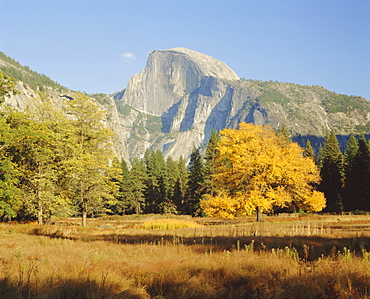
(169, 224)
(111, 259)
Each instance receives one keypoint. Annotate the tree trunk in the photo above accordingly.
(84, 216)
(39, 214)
(48, 219)
(259, 214)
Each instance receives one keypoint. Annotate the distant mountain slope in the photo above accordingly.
(181, 95)
(35, 88)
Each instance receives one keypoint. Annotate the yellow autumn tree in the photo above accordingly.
(258, 170)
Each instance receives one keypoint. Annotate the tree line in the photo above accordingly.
(345, 176)
(158, 185)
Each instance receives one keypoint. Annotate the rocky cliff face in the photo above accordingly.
(193, 93)
(169, 76)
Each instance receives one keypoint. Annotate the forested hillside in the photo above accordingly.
(22, 73)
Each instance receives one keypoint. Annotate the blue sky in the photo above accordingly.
(96, 46)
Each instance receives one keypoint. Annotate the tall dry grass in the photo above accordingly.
(73, 262)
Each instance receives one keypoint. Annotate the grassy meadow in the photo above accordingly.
(180, 257)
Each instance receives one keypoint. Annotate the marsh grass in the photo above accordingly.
(169, 224)
(222, 261)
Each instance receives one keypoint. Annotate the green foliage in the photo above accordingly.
(273, 96)
(157, 181)
(363, 128)
(352, 180)
(138, 176)
(88, 165)
(101, 98)
(123, 108)
(153, 123)
(209, 158)
(335, 103)
(283, 131)
(196, 188)
(180, 189)
(309, 151)
(10, 192)
(124, 199)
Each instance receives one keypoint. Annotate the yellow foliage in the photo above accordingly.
(257, 168)
(220, 206)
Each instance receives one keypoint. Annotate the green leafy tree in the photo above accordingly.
(34, 150)
(195, 190)
(331, 171)
(88, 167)
(10, 194)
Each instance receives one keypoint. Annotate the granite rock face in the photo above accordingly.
(181, 95)
(169, 76)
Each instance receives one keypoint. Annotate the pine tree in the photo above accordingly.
(309, 151)
(126, 199)
(195, 190)
(173, 175)
(363, 170)
(180, 188)
(352, 182)
(173, 178)
(331, 170)
(157, 181)
(209, 158)
(139, 178)
(283, 131)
